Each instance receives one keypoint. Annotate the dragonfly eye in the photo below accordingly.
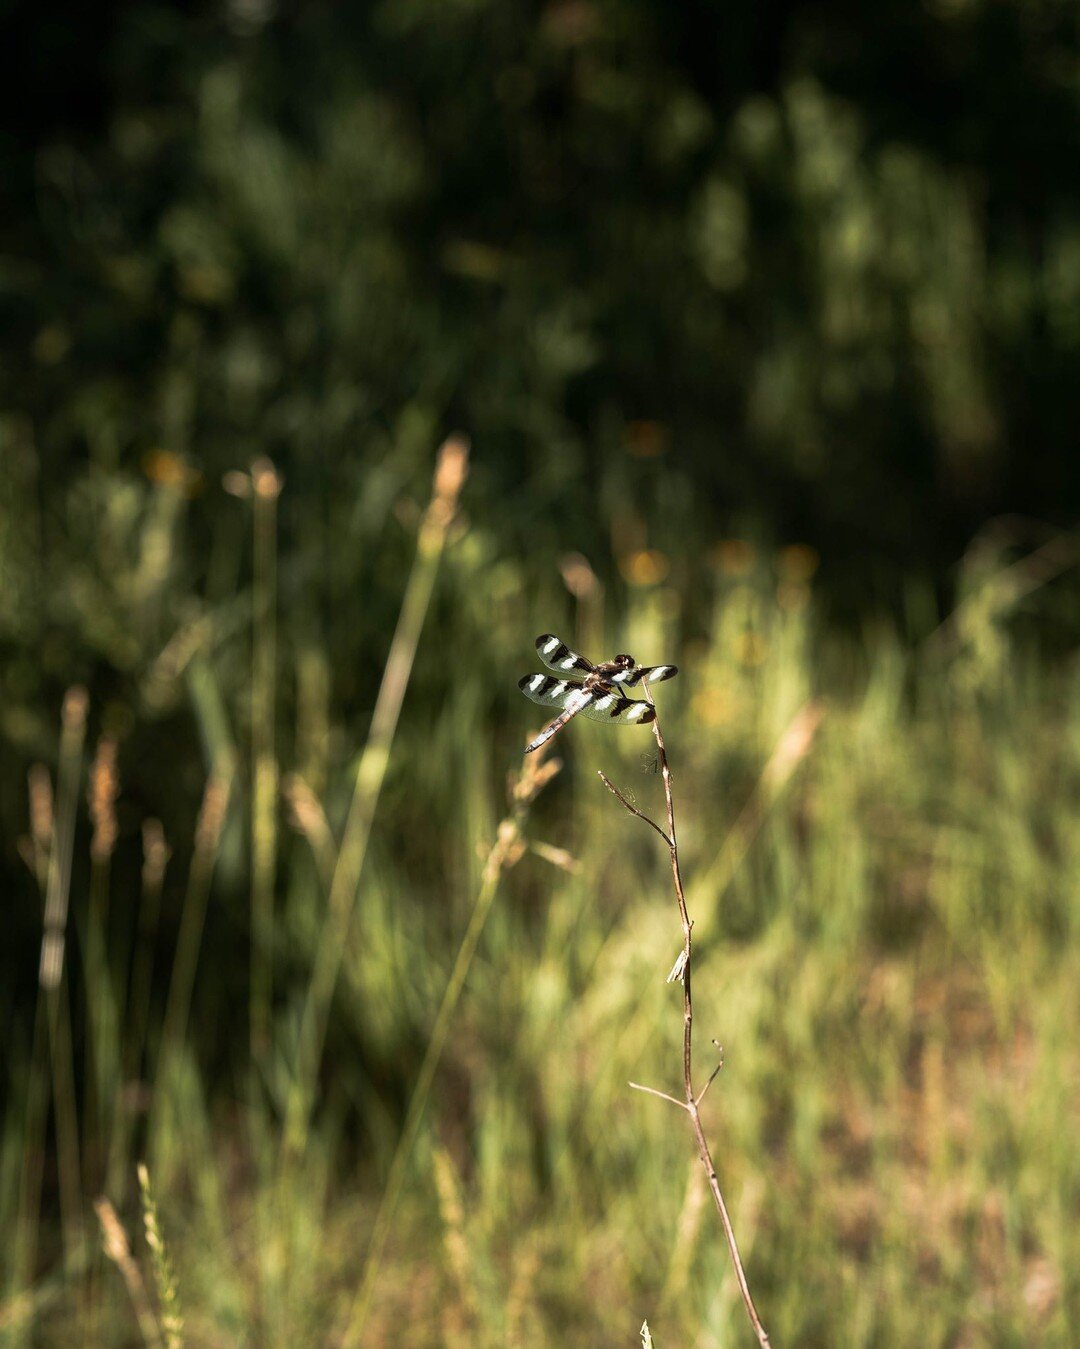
(624, 661)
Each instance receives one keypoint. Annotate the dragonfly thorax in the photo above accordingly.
(619, 665)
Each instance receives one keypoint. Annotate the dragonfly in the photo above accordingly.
(597, 695)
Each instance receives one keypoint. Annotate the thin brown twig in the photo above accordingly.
(691, 1102)
(632, 809)
(652, 1091)
(712, 1077)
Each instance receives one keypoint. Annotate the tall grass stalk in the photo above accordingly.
(43, 833)
(168, 1294)
(102, 1085)
(53, 1009)
(370, 774)
(155, 861)
(505, 852)
(208, 827)
(265, 488)
(103, 1040)
(118, 1250)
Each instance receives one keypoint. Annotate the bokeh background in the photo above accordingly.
(763, 326)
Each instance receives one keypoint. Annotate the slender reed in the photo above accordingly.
(172, 1320)
(265, 487)
(42, 834)
(118, 1249)
(505, 852)
(692, 1099)
(450, 473)
(103, 1039)
(208, 827)
(42, 821)
(53, 989)
(462, 1315)
(156, 855)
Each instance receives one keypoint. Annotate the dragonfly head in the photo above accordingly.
(623, 661)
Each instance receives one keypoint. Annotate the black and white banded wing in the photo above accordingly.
(573, 699)
(606, 705)
(565, 694)
(655, 674)
(556, 655)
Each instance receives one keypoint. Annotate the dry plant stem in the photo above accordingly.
(102, 1043)
(633, 809)
(172, 1321)
(266, 486)
(663, 1095)
(691, 1100)
(505, 852)
(118, 1249)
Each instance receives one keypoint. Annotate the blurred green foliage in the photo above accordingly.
(881, 858)
(834, 255)
(757, 318)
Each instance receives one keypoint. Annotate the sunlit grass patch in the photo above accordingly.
(880, 855)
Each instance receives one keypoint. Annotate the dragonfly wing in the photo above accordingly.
(569, 695)
(565, 694)
(655, 674)
(611, 707)
(556, 655)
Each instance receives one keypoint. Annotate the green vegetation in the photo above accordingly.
(828, 255)
(882, 863)
(763, 324)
